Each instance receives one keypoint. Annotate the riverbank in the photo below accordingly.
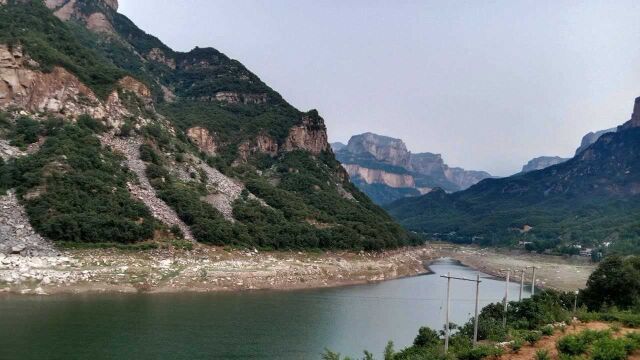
(215, 269)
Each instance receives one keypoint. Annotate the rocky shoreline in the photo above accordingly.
(207, 268)
(202, 269)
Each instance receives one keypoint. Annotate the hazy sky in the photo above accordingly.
(488, 84)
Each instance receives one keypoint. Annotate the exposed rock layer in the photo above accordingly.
(310, 135)
(376, 176)
(203, 139)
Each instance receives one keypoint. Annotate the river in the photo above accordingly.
(241, 325)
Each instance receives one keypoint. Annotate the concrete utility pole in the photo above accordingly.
(475, 321)
(533, 280)
(575, 303)
(521, 283)
(506, 297)
(446, 325)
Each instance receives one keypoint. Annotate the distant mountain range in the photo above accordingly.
(384, 169)
(591, 200)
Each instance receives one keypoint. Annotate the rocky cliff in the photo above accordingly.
(386, 162)
(376, 176)
(386, 149)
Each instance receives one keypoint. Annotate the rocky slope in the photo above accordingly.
(385, 170)
(589, 200)
(125, 140)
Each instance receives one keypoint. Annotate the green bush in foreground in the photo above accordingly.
(571, 345)
(543, 354)
(609, 349)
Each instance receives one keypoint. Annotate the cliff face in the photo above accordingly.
(375, 176)
(93, 14)
(385, 162)
(465, 178)
(309, 135)
(23, 85)
(383, 148)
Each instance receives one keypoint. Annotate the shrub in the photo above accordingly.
(571, 345)
(633, 340)
(176, 231)
(90, 123)
(25, 132)
(609, 349)
(547, 330)
(543, 354)
(590, 336)
(516, 345)
(148, 154)
(480, 352)
(532, 337)
(426, 337)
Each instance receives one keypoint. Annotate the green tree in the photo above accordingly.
(616, 282)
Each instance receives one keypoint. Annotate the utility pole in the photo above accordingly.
(506, 297)
(446, 325)
(521, 283)
(533, 282)
(575, 303)
(475, 322)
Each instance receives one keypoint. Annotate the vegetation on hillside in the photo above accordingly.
(72, 188)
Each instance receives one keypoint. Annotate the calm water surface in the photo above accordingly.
(245, 325)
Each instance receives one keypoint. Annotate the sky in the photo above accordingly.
(487, 84)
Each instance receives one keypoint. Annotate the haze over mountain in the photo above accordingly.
(592, 199)
(385, 170)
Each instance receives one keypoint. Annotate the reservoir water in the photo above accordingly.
(241, 325)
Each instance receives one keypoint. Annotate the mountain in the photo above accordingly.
(592, 199)
(542, 162)
(107, 135)
(385, 170)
